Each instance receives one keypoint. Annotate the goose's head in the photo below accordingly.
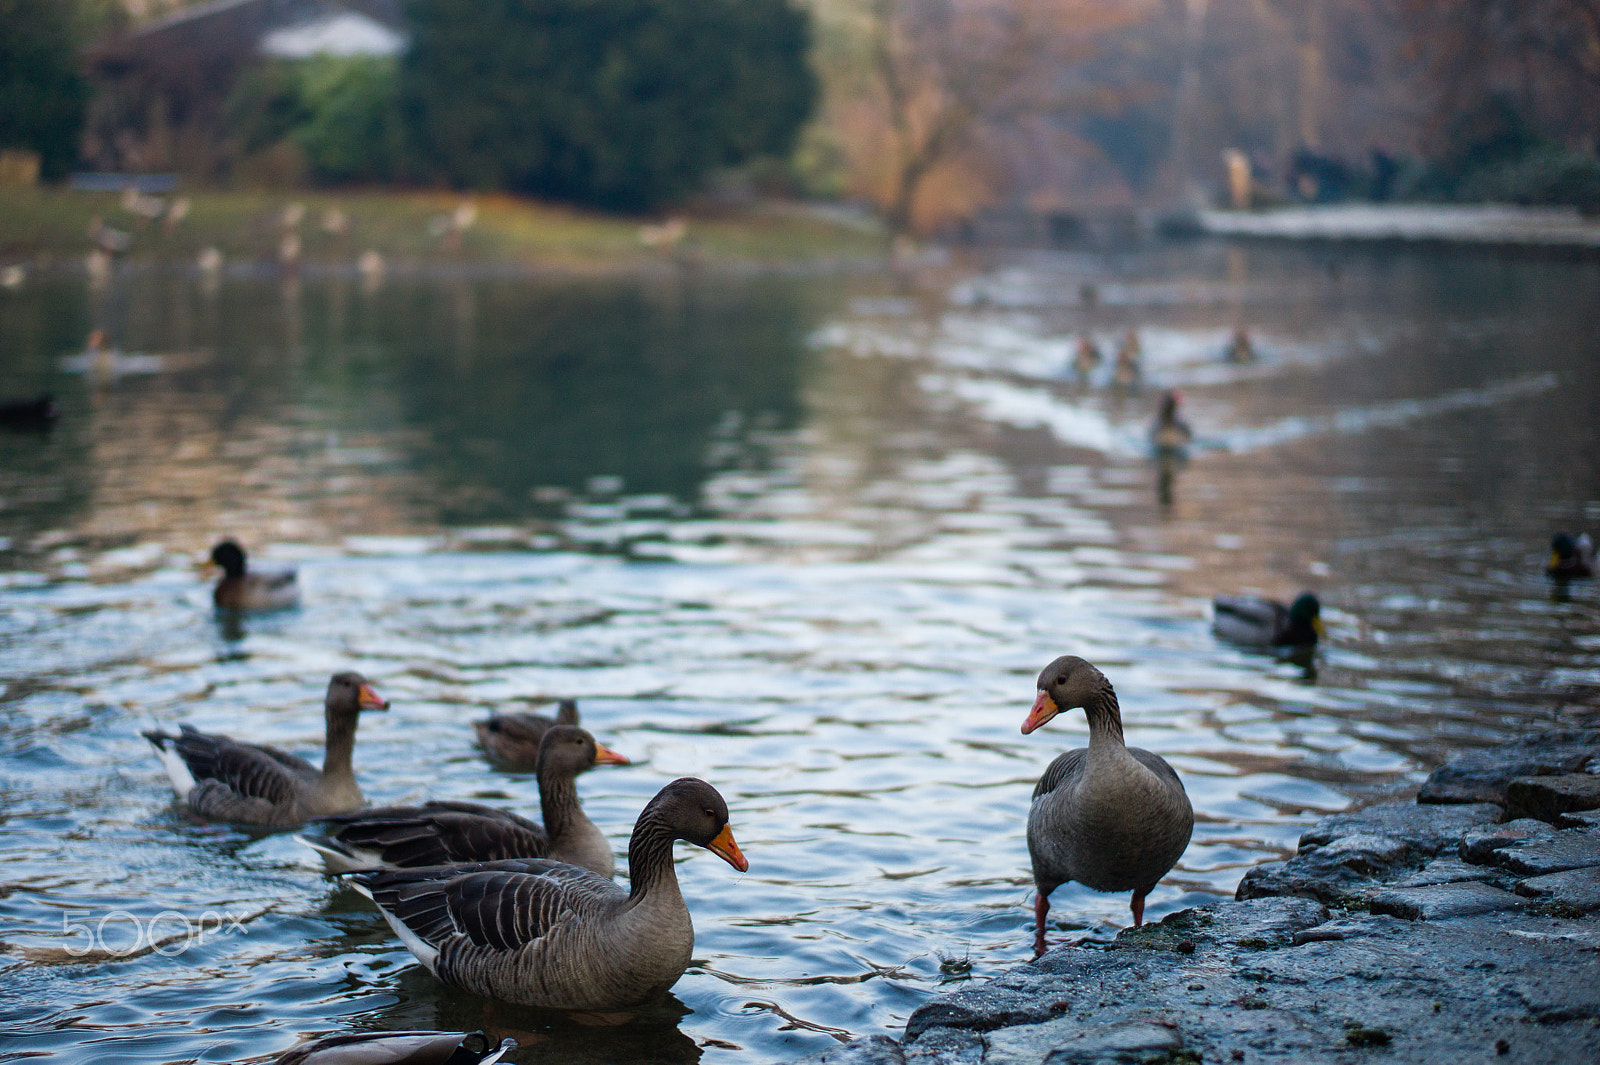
(568, 750)
(1066, 684)
(349, 693)
(696, 813)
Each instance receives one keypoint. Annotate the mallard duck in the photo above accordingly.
(241, 589)
(512, 740)
(29, 414)
(1257, 622)
(224, 780)
(1109, 816)
(541, 933)
(442, 833)
(1571, 557)
(400, 1048)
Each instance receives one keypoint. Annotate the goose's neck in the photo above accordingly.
(649, 857)
(558, 802)
(340, 746)
(1105, 719)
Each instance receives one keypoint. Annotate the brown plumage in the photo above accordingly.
(443, 833)
(224, 780)
(1109, 816)
(512, 740)
(241, 589)
(541, 933)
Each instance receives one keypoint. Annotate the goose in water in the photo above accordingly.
(224, 780)
(541, 933)
(1109, 816)
(1571, 557)
(242, 589)
(444, 833)
(1170, 434)
(1254, 622)
(512, 740)
(400, 1048)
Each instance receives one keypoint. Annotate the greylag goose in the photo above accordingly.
(512, 740)
(444, 833)
(1571, 557)
(541, 933)
(400, 1048)
(223, 780)
(242, 589)
(1170, 434)
(1256, 622)
(1109, 816)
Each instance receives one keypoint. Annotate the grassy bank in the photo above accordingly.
(43, 223)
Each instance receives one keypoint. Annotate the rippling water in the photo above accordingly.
(809, 539)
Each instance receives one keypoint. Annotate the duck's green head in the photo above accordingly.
(1562, 548)
(1306, 611)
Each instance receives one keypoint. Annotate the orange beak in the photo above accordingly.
(725, 848)
(604, 755)
(368, 699)
(1044, 708)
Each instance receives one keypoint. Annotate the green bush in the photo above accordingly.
(617, 103)
(339, 112)
(42, 95)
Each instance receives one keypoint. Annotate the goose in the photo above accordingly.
(1110, 817)
(443, 833)
(541, 933)
(512, 740)
(1570, 557)
(1245, 619)
(241, 589)
(1086, 359)
(1240, 349)
(1128, 371)
(224, 780)
(1170, 434)
(400, 1048)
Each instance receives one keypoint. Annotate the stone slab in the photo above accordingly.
(1442, 901)
(1572, 848)
(1579, 819)
(1448, 869)
(869, 1050)
(1482, 776)
(1426, 828)
(1548, 797)
(1480, 843)
(1576, 889)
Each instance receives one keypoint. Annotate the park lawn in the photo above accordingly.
(413, 227)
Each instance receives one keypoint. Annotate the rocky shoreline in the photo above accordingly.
(1462, 927)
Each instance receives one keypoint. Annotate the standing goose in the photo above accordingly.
(400, 1048)
(540, 933)
(1109, 816)
(1257, 622)
(444, 833)
(512, 740)
(241, 589)
(223, 780)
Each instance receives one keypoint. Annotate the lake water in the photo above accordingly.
(808, 538)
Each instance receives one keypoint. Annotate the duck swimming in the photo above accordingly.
(1108, 816)
(244, 590)
(1571, 557)
(1255, 622)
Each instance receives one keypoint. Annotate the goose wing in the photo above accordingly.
(438, 833)
(518, 728)
(1066, 766)
(500, 906)
(1157, 765)
(245, 769)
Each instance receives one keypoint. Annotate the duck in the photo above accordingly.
(400, 1048)
(1108, 816)
(1240, 349)
(1571, 557)
(539, 933)
(1086, 359)
(33, 414)
(1255, 622)
(512, 740)
(1128, 370)
(1170, 434)
(443, 833)
(221, 779)
(244, 590)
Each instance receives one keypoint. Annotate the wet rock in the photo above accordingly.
(1124, 1041)
(1449, 869)
(1441, 901)
(1577, 890)
(985, 1007)
(1572, 848)
(1548, 797)
(1258, 924)
(1579, 819)
(946, 1046)
(871, 1050)
(1482, 776)
(1479, 844)
(1426, 828)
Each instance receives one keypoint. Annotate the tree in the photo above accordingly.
(44, 95)
(618, 103)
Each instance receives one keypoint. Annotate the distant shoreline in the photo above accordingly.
(1485, 225)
